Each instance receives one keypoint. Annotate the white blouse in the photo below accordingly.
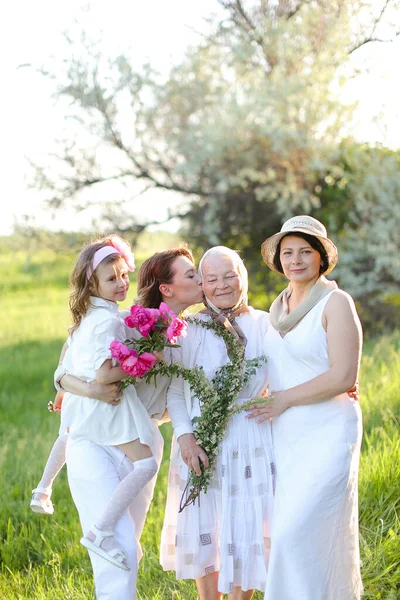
(89, 344)
(87, 418)
(204, 348)
(102, 324)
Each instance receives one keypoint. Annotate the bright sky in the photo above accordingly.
(154, 29)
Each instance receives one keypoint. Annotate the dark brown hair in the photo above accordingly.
(156, 270)
(82, 287)
(314, 243)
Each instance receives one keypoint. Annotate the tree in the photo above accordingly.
(247, 128)
(369, 263)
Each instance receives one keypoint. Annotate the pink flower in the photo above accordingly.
(130, 321)
(146, 361)
(128, 364)
(166, 312)
(142, 319)
(176, 329)
(137, 366)
(119, 350)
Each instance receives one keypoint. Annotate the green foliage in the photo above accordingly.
(218, 403)
(370, 240)
(41, 557)
(217, 398)
(249, 128)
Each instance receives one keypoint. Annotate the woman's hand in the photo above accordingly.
(159, 354)
(192, 453)
(109, 393)
(276, 406)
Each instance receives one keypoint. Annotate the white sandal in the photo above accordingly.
(45, 506)
(115, 556)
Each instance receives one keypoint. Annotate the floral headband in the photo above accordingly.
(118, 246)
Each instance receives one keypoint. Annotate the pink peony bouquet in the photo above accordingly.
(158, 328)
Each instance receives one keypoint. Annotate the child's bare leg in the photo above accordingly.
(135, 450)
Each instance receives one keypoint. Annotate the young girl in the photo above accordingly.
(99, 281)
(168, 276)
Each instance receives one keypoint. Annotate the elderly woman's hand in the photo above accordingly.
(159, 354)
(276, 406)
(192, 453)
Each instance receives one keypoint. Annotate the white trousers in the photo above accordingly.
(93, 473)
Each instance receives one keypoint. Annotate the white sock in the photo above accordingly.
(55, 462)
(127, 490)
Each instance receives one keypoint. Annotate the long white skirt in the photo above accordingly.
(228, 528)
(314, 535)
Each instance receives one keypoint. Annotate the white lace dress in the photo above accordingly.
(228, 530)
(314, 535)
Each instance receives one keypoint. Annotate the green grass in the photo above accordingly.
(41, 558)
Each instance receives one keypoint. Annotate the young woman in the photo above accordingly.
(313, 349)
(94, 471)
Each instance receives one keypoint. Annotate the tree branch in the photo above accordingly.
(242, 20)
(296, 10)
(144, 172)
(140, 227)
(371, 37)
(370, 40)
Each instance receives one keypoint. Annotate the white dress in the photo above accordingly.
(89, 419)
(228, 529)
(314, 536)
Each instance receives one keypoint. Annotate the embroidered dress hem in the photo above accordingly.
(227, 529)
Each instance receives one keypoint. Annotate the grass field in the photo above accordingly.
(41, 557)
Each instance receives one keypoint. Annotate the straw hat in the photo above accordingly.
(301, 224)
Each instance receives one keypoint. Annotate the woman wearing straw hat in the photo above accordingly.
(313, 353)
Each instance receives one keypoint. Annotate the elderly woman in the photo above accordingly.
(314, 348)
(222, 541)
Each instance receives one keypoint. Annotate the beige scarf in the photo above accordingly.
(227, 318)
(284, 321)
